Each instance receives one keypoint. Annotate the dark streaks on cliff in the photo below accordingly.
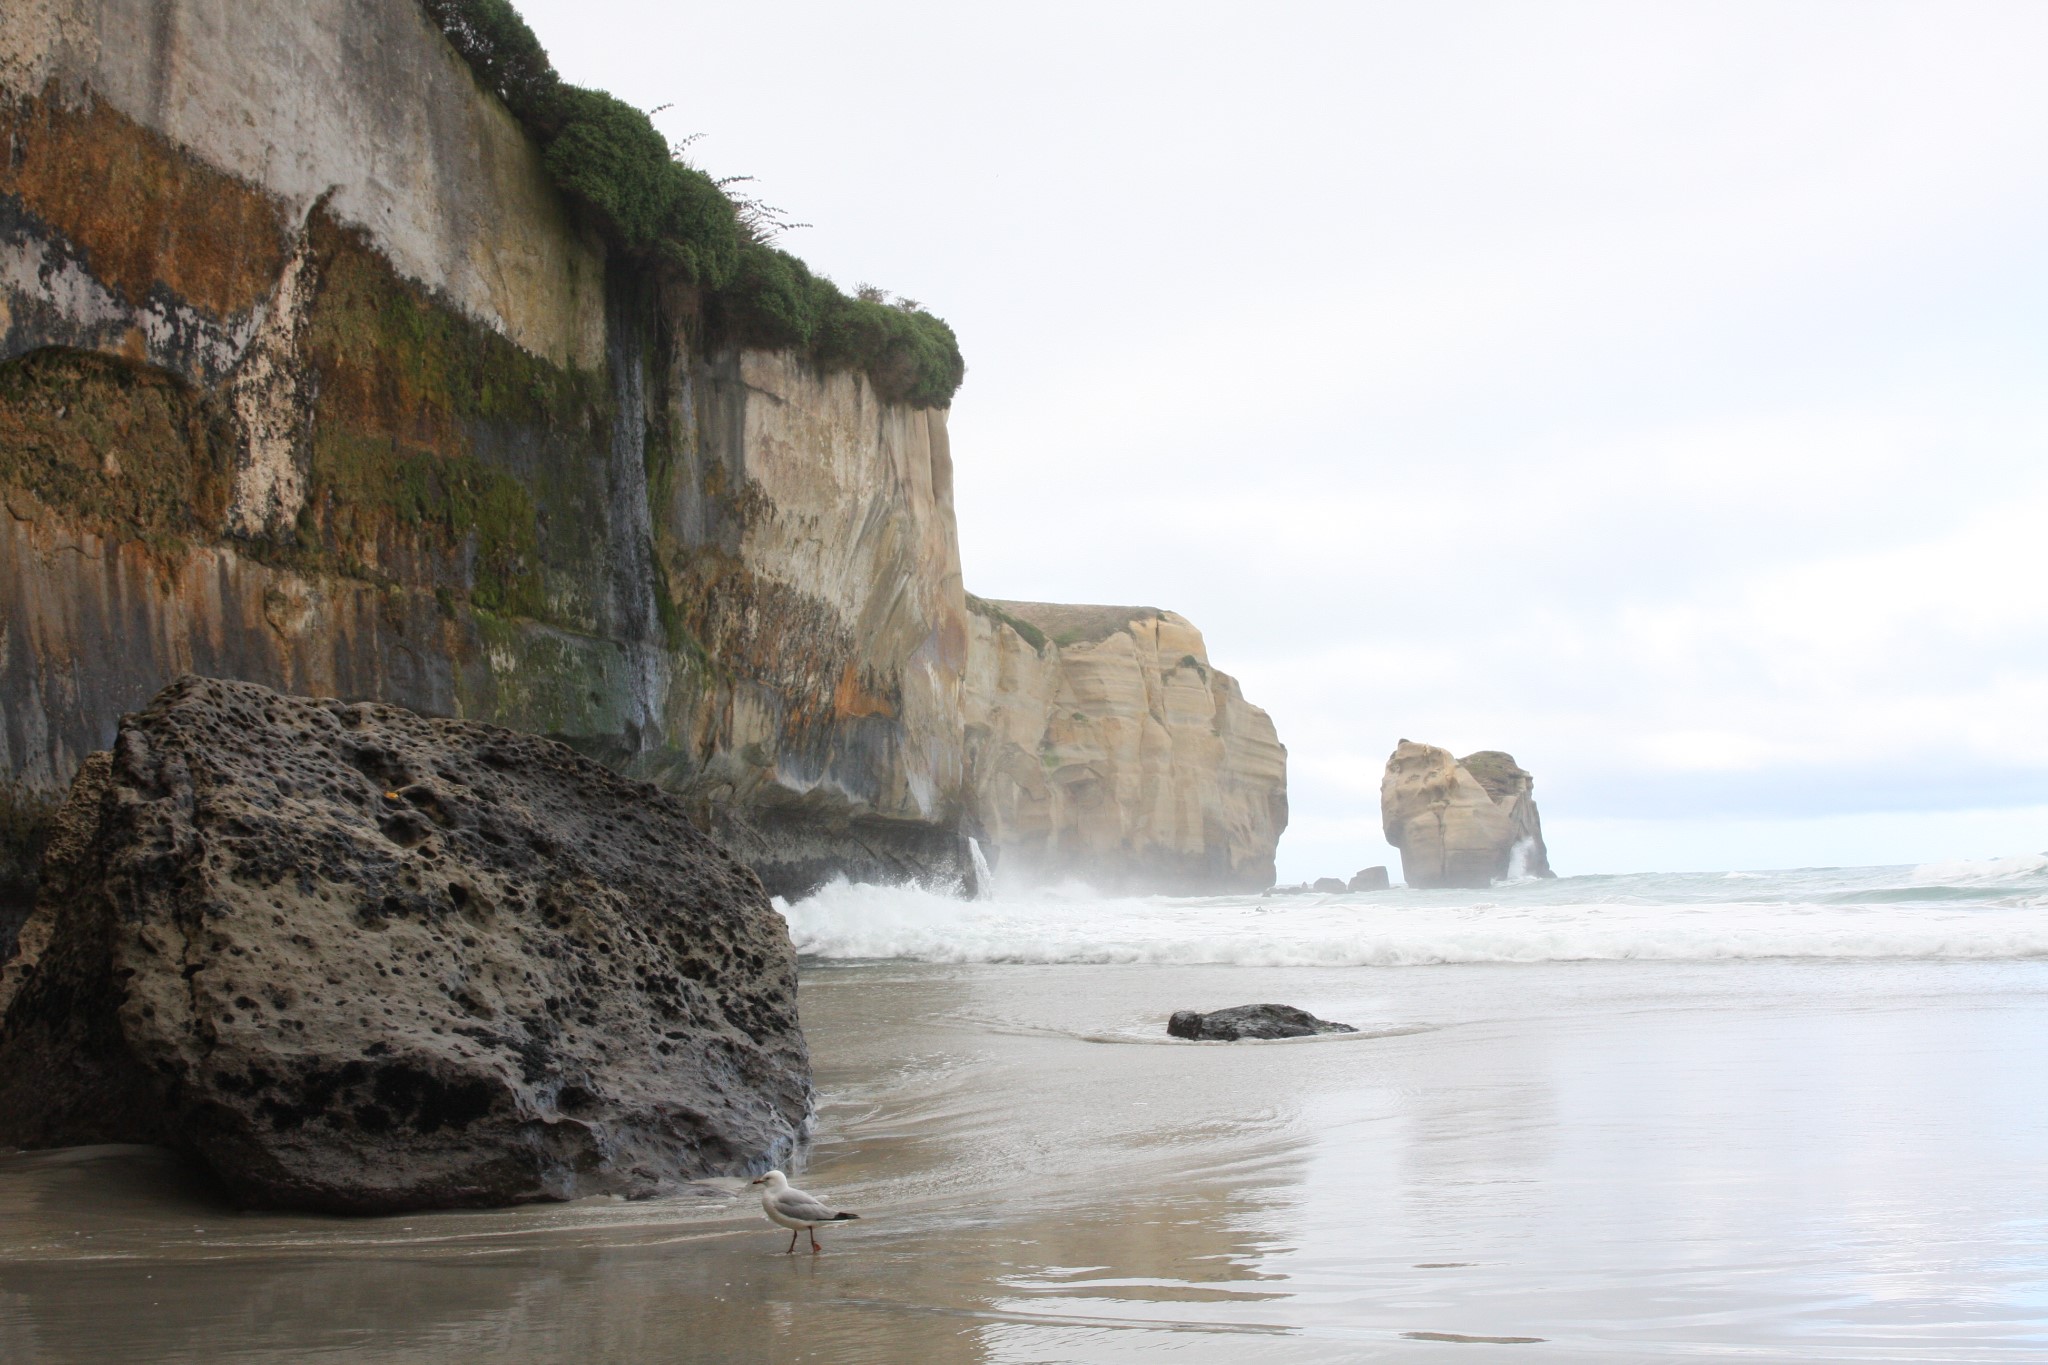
(239, 435)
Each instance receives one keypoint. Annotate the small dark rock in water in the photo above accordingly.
(1250, 1021)
(1297, 889)
(1329, 886)
(356, 959)
(1370, 879)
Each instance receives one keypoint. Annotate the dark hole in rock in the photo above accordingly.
(431, 1102)
(426, 801)
(404, 829)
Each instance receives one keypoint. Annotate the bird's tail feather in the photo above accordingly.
(840, 1217)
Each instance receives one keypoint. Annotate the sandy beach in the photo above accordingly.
(1825, 1158)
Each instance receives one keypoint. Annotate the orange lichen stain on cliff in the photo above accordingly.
(850, 699)
(951, 638)
(142, 210)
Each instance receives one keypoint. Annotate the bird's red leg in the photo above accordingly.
(792, 1243)
(815, 1248)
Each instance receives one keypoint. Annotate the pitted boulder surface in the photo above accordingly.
(1250, 1021)
(357, 959)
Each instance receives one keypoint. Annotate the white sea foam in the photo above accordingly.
(1981, 871)
(1983, 911)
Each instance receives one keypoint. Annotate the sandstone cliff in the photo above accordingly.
(307, 377)
(1460, 822)
(1102, 744)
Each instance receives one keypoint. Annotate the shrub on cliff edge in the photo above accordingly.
(608, 157)
(500, 49)
(774, 300)
(648, 204)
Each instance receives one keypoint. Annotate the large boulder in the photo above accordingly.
(1249, 1021)
(1461, 822)
(359, 960)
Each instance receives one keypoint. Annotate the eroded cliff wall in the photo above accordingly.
(1102, 744)
(307, 377)
(808, 537)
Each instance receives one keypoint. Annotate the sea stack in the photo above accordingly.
(1459, 822)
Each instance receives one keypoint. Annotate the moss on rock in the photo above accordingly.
(410, 391)
(128, 450)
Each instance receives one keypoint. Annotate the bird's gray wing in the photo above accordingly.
(796, 1204)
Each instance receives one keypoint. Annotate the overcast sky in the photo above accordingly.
(1656, 391)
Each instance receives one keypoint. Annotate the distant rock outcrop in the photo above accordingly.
(1461, 822)
(1369, 879)
(1102, 744)
(359, 960)
(1250, 1021)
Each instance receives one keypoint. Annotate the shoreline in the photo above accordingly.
(1605, 1155)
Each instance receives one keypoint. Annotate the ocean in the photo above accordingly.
(1780, 1116)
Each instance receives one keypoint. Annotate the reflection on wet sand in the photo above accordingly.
(1702, 1168)
(985, 1186)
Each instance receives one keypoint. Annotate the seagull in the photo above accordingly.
(789, 1206)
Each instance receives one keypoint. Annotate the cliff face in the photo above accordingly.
(1459, 822)
(306, 377)
(808, 537)
(1103, 745)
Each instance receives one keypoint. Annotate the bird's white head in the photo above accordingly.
(774, 1180)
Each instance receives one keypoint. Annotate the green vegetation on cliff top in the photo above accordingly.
(1070, 623)
(652, 207)
(1030, 634)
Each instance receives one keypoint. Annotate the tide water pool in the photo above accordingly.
(1787, 1116)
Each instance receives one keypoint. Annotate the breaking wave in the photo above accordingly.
(1985, 910)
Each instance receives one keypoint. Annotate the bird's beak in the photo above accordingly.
(757, 1180)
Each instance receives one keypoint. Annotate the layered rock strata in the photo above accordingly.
(1102, 744)
(358, 960)
(1461, 822)
(307, 377)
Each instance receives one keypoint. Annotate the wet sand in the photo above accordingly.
(1828, 1161)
